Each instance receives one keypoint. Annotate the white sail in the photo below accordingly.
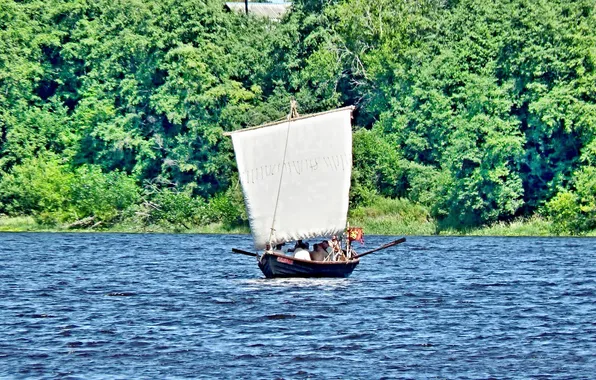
(295, 176)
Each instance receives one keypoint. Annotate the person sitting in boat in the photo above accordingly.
(280, 249)
(335, 250)
(296, 246)
(335, 245)
(318, 253)
(299, 245)
(301, 252)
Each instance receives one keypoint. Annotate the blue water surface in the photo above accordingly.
(123, 306)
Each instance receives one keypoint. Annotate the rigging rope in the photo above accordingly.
(293, 114)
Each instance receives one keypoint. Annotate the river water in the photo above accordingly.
(183, 306)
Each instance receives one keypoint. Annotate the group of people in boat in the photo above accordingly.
(326, 250)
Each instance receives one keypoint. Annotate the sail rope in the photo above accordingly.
(293, 114)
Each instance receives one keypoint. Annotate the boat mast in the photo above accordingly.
(348, 252)
(292, 115)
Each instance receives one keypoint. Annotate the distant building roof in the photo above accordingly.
(274, 11)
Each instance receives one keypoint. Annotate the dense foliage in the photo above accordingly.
(480, 112)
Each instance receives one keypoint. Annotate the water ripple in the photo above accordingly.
(182, 306)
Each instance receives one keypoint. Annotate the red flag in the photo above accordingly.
(356, 234)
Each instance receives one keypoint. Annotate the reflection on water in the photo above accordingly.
(183, 306)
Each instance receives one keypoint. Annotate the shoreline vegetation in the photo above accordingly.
(384, 217)
(471, 118)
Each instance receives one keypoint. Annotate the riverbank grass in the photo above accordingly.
(396, 217)
(534, 226)
(384, 216)
(29, 224)
(19, 224)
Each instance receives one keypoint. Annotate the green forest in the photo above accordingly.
(469, 114)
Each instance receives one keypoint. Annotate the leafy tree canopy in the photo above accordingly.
(479, 111)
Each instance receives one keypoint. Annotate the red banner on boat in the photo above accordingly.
(285, 261)
(356, 234)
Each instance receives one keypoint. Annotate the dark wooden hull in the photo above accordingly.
(273, 265)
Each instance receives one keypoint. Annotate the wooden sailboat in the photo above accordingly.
(295, 177)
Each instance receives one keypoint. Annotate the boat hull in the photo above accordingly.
(274, 265)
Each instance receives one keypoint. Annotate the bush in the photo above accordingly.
(229, 207)
(378, 168)
(564, 213)
(574, 211)
(38, 185)
(101, 195)
(177, 208)
(393, 217)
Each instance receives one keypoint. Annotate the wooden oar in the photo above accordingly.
(396, 242)
(240, 251)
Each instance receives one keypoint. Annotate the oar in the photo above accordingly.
(396, 242)
(236, 250)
